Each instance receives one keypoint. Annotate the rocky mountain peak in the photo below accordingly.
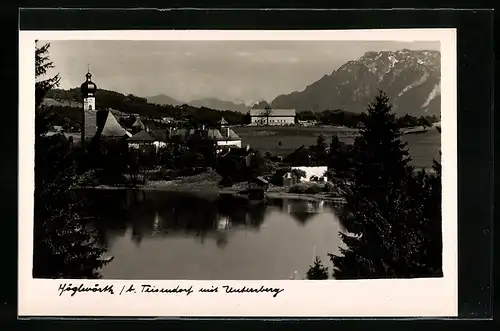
(411, 78)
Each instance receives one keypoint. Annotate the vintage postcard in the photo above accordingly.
(238, 173)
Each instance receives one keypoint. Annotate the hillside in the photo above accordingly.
(163, 99)
(69, 103)
(412, 79)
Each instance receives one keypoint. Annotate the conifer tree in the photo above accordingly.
(385, 205)
(337, 159)
(317, 271)
(320, 153)
(63, 244)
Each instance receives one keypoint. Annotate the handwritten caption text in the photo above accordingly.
(72, 289)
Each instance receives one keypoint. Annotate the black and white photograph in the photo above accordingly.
(260, 160)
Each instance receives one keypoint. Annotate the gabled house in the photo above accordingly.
(223, 137)
(145, 140)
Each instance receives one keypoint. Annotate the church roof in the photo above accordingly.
(141, 136)
(88, 87)
(108, 125)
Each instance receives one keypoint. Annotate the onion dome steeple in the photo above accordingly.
(88, 88)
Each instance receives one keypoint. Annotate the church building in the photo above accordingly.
(97, 123)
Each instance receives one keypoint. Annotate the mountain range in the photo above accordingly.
(411, 79)
(212, 103)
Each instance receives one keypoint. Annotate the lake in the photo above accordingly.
(164, 235)
(423, 147)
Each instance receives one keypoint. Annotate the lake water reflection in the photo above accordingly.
(162, 235)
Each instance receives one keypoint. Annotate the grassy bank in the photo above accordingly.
(207, 184)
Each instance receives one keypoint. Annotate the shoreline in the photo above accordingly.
(215, 191)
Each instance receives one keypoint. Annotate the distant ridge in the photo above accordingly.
(215, 103)
(162, 99)
(411, 79)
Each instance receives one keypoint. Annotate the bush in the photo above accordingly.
(328, 187)
(314, 189)
(87, 179)
(306, 188)
(156, 176)
(226, 182)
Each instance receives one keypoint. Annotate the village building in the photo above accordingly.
(360, 125)
(142, 140)
(97, 123)
(229, 137)
(138, 125)
(167, 120)
(272, 116)
(223, 136)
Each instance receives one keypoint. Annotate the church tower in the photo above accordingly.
(89, 121)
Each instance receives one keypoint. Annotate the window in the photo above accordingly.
(90, 107)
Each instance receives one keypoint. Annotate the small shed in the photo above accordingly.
(289, 179)
(257, 187)
(258, 183)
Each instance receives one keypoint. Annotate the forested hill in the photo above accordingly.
(67, 101)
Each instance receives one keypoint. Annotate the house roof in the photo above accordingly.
(223, 121)
(183, 133)
(232, 136)
(272, 112)
(214, 134)
(159, 134)
(139, 123)
(209, 133)
(108, 126)
(260, 180)
(141, 136)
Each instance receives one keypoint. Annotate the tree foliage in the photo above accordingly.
(64, 246)
(349, 119)
(192, 116)
(317, 271)
(390, 213)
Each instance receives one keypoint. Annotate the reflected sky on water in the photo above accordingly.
(163, 235)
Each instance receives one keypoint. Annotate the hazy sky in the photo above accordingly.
(242, 71)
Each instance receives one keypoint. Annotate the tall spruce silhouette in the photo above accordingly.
(388, 214)
(63, 246)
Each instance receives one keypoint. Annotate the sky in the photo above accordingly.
(238, 71)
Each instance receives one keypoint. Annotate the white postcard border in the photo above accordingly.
(327, 298)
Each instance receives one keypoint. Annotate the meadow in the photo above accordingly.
(423, 147)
